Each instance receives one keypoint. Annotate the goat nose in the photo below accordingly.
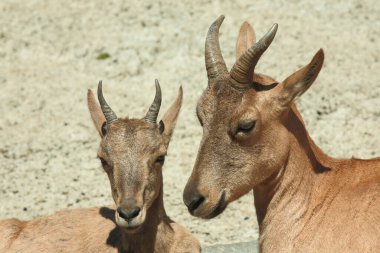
(195, 201)
(128, 214)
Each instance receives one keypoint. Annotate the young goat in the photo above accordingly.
(254, 138)
(132, 152)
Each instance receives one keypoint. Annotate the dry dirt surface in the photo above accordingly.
(51, 52)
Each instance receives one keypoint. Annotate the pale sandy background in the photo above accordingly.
(48, 52)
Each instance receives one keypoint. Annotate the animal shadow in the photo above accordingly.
(114, 237)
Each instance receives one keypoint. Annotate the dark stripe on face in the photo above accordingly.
(260, 87)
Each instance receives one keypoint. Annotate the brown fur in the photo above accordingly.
(305, 200)
(130, 148)
(92, 230)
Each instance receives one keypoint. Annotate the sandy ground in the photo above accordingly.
(48, 59)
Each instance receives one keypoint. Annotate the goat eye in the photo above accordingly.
(245, 126)
(200, 120)
(104, 129)
(160, 159)
(104, 163)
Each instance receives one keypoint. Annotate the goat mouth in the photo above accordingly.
(219, 207)
(132, 229)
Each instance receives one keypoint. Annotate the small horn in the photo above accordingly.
(215, 64)
(151, 115)
(106, 109)
(242, 71)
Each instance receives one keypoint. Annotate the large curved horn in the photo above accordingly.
(151, 115)
(106, 109)
(215, 64)
(242, 71)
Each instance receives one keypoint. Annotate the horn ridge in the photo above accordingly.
(154, 109)
(243, 70)
(109, 114)
(215, 64)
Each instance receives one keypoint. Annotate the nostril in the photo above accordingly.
(128, 215)
(133, 213)
(196, 201)
(122, 212)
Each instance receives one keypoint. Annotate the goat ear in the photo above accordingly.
(169, 120)
(97, 115)
(245, 40)
(297, 83)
